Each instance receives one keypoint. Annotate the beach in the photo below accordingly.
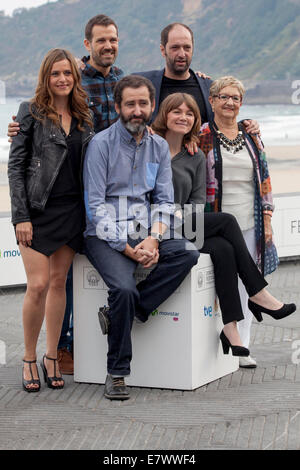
(285, 181)
(4, 199)
(284, 168)
(4, 190)
(283, 161)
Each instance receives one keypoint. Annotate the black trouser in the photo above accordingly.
(125, 298)
(224, 242)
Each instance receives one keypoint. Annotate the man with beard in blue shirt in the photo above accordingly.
(129, 201)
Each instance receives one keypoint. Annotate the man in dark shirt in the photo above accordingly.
(177, 47)
(190, 86)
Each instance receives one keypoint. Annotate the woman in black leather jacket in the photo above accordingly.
(44, 170)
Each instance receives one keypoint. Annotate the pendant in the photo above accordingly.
(233, 146)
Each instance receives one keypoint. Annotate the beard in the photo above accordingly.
(177, 69)
(135, 128)
(101, 61)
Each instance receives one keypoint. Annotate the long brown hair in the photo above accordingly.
(173, 101)
(42, 105)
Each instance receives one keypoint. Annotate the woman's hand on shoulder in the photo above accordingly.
(24, 232)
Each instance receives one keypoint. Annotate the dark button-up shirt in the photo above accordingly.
(100, 94)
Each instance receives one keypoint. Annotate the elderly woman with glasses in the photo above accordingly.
(238, 183)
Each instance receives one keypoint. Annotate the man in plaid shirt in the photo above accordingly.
(99, 75)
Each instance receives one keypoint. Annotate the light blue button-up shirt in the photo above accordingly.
(126, 184)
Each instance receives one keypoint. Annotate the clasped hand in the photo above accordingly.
(145, 253)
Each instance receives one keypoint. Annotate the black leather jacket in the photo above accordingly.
(35, 158)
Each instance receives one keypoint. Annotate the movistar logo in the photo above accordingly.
(9, 253)
(155, 312)
(175, 315)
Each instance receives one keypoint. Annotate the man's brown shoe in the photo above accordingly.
(65, 361)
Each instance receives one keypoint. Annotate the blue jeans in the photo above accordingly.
(126, 299)
(66, 336)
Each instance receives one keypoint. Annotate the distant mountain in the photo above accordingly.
(257, 40)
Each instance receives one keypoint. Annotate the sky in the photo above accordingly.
(9, 5)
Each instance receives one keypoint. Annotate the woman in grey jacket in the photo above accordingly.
(44, 170)
(178, 121)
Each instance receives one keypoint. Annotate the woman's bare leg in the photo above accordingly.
(232, 333)
(37, 272)
(265, 299)
(60, 263)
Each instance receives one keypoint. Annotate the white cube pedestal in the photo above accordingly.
(177, 348)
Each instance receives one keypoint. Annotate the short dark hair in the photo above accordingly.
(132, 81)
(100, 20)
(164, 35)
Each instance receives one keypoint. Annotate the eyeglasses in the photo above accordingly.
(235, 98)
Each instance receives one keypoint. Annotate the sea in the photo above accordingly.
(279, 124)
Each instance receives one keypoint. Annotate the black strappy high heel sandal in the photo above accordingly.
(32, 381)
(236, 350)
(278, 314)
(49, 380)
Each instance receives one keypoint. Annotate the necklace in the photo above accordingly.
(234, 145)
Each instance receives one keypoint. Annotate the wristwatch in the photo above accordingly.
(157, 236)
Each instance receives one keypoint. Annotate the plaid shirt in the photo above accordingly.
(100, 94)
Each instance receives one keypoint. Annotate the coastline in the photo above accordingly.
(4, 189)
(284, 168)
(285, 181)
(283, 152)
(283, 162)
(4, 199)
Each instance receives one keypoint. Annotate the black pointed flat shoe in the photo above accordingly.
(284, 311)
